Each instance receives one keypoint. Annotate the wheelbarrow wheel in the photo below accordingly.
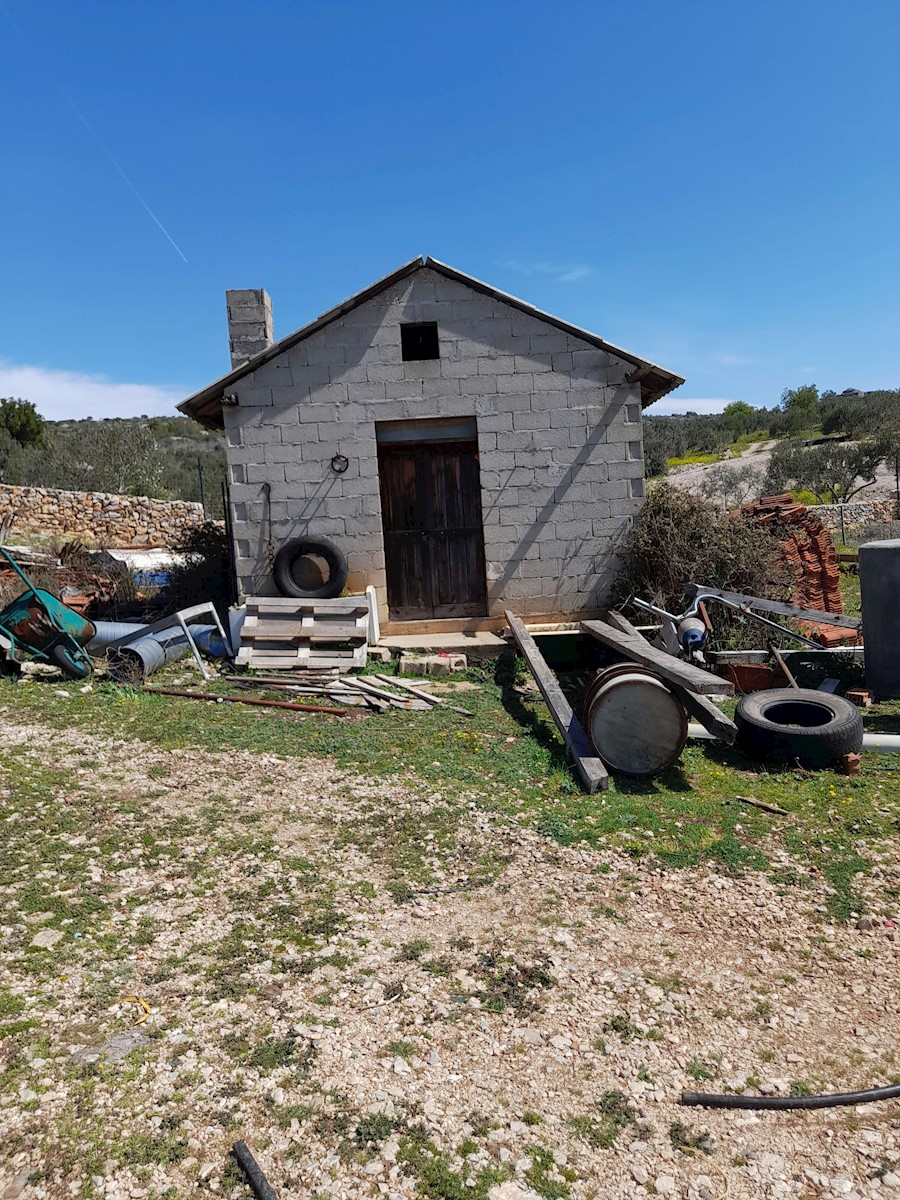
(75, 667)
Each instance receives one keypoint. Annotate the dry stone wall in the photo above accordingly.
(841, 518)
(102, 518)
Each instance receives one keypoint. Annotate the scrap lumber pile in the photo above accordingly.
(378, 692)
(85, 581)
(283, 633)
(807, 546)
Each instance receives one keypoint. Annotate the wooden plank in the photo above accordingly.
(701, 709)
(707, 714)
(284, 631)
(624, 625)
(341, 605)
(593, 773)
(409, 687)
(671, 669)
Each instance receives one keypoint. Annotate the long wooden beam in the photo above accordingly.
(639, 650)
(590, 768)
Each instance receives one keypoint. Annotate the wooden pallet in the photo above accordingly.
(281, 633)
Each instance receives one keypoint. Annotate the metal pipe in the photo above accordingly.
(110, 631)
(827, 1100)
(885, 743)
(139, 659)
(261, 1187)
(289, 704)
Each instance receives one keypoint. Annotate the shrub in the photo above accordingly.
(680, 538)
(205, 570)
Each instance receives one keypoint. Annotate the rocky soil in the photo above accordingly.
(388, 993)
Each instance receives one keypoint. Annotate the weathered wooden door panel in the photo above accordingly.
(433, 536)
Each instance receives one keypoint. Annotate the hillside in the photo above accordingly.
(828, 447)
(162, 457)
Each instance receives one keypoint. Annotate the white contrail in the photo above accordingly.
(94, 134)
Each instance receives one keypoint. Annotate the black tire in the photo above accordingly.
(310, 547)
(71, 666)
(798, 725)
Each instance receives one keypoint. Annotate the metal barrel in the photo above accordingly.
(634, 722)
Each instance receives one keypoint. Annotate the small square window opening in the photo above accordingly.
(419, 341)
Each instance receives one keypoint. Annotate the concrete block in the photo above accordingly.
(519, 383)
(550, 381)
(311, 377)
(501, 365)
(519, 515)
(531, 420)
(329, 393)
(587, 358)
(549, 401)
(271, 473)
(432, 664)
(350, 373)
(478, 385)
(403, 389)
(500, 422)
(288, 395)
(568, 418)
(256, 397)
(528, 364)
(454, 367)
(549, 343)
(274, 374)
(440, 387)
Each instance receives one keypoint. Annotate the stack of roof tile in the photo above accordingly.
(809, 551)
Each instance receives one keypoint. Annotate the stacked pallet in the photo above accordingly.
(282, 633)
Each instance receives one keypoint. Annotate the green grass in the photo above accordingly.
(510, 758)
(687, 459)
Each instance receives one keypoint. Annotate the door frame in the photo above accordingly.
(470, 610)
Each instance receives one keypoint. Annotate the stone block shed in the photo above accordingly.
(467, 452)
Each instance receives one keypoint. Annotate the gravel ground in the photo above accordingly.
(517, 1020)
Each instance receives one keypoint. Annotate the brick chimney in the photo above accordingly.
(249, 323)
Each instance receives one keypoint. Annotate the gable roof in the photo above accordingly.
(206, 405)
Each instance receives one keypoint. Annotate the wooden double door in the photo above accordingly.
(433, 533)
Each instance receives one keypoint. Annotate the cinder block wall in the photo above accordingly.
(559, 434)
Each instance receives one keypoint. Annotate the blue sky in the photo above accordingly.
(713, 186)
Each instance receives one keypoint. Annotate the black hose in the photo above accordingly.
(251, 1168)
(830, 1100)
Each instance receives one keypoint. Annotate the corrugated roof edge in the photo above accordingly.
(206, 405)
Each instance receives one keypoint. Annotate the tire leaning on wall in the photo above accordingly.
(813, 728)
(310, 547)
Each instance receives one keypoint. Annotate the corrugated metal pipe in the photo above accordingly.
(139, 659)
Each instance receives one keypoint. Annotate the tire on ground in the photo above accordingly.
(310, 547)
(798, 725)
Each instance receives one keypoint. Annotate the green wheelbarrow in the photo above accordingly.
(38, 627)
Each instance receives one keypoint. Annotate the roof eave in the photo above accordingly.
(196, 406)
(206, 406)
